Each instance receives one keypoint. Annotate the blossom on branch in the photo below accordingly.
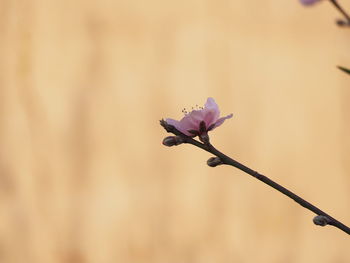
(201, 120)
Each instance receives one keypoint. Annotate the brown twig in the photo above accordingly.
(343, 12)
(321, 219)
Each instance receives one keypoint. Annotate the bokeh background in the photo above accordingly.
(84, 177)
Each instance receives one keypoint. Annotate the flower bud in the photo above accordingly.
(321, 220)
(214, 161)
(341, 22)
(172, 141)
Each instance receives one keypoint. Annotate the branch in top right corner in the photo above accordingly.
(344, 69)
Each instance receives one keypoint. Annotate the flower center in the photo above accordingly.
(185, 111)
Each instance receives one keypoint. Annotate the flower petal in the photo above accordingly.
(211, 112)
(178, 125)
(221, 120)
(185, 124)
(172, 122)
(210, 116)
(211, 104)
(196, 116)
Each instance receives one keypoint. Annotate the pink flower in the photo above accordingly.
(200, 121)
(309, 2)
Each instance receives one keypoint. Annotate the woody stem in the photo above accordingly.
(341, 10)
(321, 215)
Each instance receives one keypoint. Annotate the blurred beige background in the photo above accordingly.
(84, 177)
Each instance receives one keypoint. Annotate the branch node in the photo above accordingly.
(321, 220)
(214, 161)
(173, 141)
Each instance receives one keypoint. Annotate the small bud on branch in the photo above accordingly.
(173, 141)
(321, 220)
(214, 161)
(173, 126)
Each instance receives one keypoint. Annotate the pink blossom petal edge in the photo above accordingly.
(177, 125)
(211, 112)
(221, 120)
(184, 125)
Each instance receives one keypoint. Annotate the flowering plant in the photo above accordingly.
(199, 122)
(341, 22)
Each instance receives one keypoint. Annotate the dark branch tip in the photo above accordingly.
(166, 126)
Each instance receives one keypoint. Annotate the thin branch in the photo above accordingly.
(321, 219)
(343, 12)
(346, 70)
